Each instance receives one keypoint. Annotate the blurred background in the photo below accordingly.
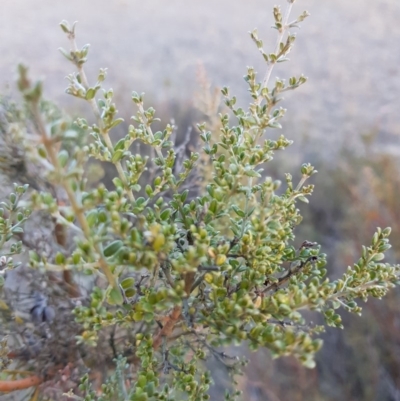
(345, 120)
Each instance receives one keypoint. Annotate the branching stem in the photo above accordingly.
(78, 210)
(100, 123)
(271, 64)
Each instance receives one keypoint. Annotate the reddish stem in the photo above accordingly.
(20, 384)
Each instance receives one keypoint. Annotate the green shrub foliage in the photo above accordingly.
(182, 265)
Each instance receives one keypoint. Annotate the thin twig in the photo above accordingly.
(288, 275)
(271, 65)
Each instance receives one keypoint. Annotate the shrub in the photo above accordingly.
(178, 263)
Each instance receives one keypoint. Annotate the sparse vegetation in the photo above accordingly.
(187, 253)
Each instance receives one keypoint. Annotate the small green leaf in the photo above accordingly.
(378, 257)
(302, 198)
(102, 216)
(130, 292)
(149, 191)
(116, 122)
(118, 182)
(65, 26)
(165, 214)
(184, 195)
(251, 173)
(65, 53)
(140, 201)
(59, 259)
(120, 145)
(91, 217)
(63, 157)
(115, 297)
(238, 211)
(386, 232)
(117, 156)
(127, 283)
(90, 93)
(213, 206)
(76, 258)
(167, 144)
(42, 153)
(113, 248)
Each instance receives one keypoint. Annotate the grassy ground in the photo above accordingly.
(347, 49)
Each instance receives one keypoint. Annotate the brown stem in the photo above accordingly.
(287, 276)
(189, 279)
(20, 384)
(170, 321)
(60, 234)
